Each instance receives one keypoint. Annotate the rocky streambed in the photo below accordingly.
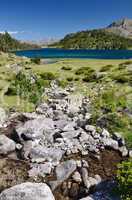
(56, 153)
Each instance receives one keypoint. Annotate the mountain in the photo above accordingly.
(115, 36)
(122, 27)
(7, 43)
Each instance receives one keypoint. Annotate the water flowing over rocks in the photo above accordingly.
(60, 147)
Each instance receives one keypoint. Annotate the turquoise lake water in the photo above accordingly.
(90, 54)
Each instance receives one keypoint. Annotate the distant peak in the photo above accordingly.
(125, 21)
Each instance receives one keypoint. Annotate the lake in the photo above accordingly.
(62, 53)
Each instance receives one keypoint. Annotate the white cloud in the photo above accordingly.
(13, 32)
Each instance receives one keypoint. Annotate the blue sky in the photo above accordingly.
(38, 19)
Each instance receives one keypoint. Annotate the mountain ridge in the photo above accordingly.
(121, 27)
(117, 35)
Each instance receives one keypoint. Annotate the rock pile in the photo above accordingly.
(58, 130)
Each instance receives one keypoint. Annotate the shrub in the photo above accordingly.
(121, 78)
(124, 179)
(84, 70)
(70, 79)
(25, 88)
(106, 68)
(89, 77)
(62, 83)
(76, 79)
(66, 68)
(48, 76)
(36, 61)
(128, 139)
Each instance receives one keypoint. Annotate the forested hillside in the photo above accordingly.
(7, 43)
(95, 39)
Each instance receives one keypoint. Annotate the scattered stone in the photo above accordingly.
(98, 178)
(28, 191)
(65, 169)
(90, 128)
(109, 142)
(77, 177)
(105, 133)
(87, 198)
(130, 153)
(85, 164)
(3, 117)
(6, 145)
(84, 173)
(40, 170)
(123, 151)
(41, 154)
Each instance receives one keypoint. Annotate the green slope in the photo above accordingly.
(95, 39)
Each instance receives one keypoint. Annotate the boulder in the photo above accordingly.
(28, 191)
(40, 128)
(109, 142)
(40, 154)
(40, 170)
(63, 172)
(6, 145)
(65, 169)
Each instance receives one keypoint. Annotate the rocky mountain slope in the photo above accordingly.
(116, 36)
(122, 27)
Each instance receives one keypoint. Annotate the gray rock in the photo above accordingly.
(90, 128)
(40, 170)
(98, 178)
(65, 169)
(70, 134)
(105, 133)
(69, 127)
(28, 191)
(119, 138)
(60, 124)
(55, 184)
(109, 142)
(79, 163)
(6, 145)
(92, 182)
(124, 151)
(130, 153)
(85, 163)
(84, 173)
(77, 177)
(37, 129)
(41, 154)
(3, 116)
(42, 108)
(87, 198)
(84, 137)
